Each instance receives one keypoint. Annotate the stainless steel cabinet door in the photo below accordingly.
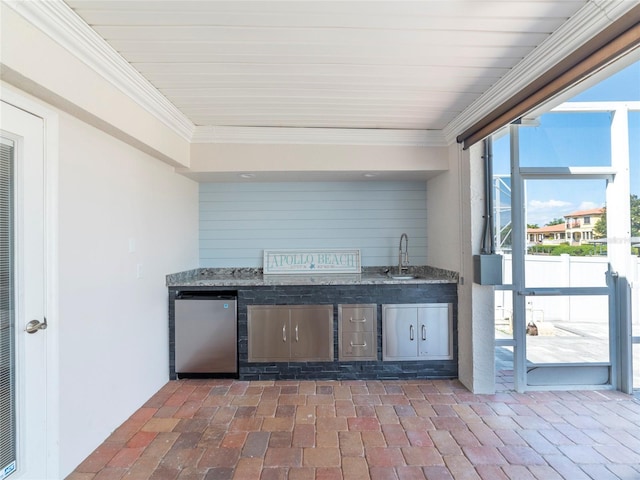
(282, 333)
(417, 331)
(269, 333)
(312, 332)
(434, 327)
(400, 337)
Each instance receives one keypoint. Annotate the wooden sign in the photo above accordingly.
(314, 261)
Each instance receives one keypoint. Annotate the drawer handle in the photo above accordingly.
(424, 332)
(357, 320)
(358, 344)
(410, 332)
(284, 332)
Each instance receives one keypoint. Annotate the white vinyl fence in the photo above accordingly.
(566, 271)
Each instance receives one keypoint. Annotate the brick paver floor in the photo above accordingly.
(358, 430)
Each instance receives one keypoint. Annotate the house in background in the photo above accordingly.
(132, 117)
(580, 225)
(549, 235)
(576, 230)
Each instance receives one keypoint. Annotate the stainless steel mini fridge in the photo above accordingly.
(206, 338)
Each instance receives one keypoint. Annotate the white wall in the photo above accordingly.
(238, 221)
(113, 326)
(444, 223)
(454, 227)
(264, 159)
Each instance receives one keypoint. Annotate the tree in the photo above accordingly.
(635, 215)
(555, 221)
(532, 225)
(600, 228)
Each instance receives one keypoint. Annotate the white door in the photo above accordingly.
(23, 262)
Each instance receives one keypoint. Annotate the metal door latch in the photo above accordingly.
(34, 325)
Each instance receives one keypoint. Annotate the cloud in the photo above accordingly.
(548, 204)
(587, 205)
(542, 211)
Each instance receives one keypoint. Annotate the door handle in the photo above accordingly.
(296, 332)
(284, 332)
(424, 332)
(530, 293)
(410, 332)
(34, 325)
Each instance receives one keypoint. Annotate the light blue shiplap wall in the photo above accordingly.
(239, 220)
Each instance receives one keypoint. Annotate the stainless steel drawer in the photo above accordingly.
(358, 332)
(358, 346)
(357, 318)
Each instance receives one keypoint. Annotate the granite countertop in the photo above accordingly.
(253, 277)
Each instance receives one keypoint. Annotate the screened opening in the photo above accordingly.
(564, 139)
(572, 158)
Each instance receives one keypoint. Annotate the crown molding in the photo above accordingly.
(319, 136)
(57, 20)
(590, 20)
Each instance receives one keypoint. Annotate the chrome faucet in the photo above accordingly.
(403, 257)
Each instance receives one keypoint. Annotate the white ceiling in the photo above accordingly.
(333, 64)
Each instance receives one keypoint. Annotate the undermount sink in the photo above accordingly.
(403, 277)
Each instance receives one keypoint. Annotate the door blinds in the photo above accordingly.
(620, 38)
(7, 320)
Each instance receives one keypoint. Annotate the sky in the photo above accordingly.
(574, 139)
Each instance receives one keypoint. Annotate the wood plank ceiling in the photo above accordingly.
(338, 64)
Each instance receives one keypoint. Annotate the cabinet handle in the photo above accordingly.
(296, 332)
(424, 332)
(358, 344)
(284, 332)
(410, 332)
(357, 320)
